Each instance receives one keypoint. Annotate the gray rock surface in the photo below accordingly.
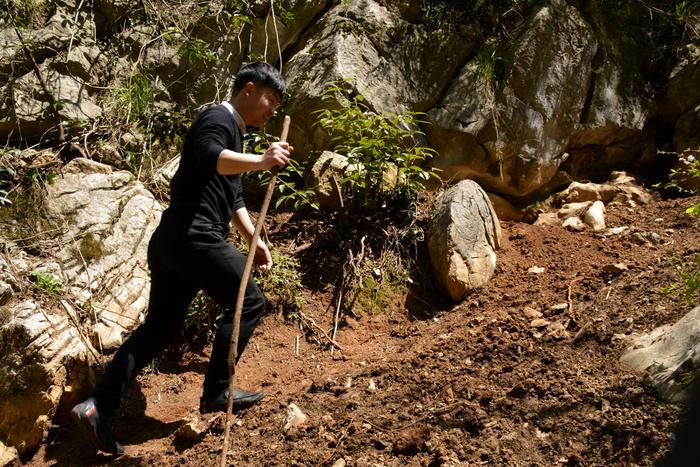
(104, 220)
(463, 236)
(668, 356)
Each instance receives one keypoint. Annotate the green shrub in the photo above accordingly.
(131, 98)
(282, 285)
(47, 282)
(376, 145)
(680, 179)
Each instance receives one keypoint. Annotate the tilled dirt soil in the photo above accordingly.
(524, 372)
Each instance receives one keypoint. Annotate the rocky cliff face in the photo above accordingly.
(560, 85)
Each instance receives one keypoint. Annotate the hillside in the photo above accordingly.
(473, 384)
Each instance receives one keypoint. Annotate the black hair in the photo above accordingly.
(262, 74)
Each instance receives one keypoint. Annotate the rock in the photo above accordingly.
(574, 224)
(615, 231)
(463, 236)
(547, 218)
(412, 440)
(294, 418)
(43, 359)
(683, 89)
(531, 313)
(668, 356)
(539, 323)
(8, 455)
(193, 427)
(559, 308)
(617, 268)
(371, 385)
(265, 31)
(111, 221)
(504, 210)
(573, 209)
(100, 257)
(595, 216)
(535, 270)
(5, 293)
(106, 337)
(35, 116)
(557, 331)
(340, 463)
(392, 63)
(620, 187)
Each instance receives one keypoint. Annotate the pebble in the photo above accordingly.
(539, 323)
(595, 216)
(294, 418)
(532, 313)
(617, 268)
(536, 270)
(574, 224)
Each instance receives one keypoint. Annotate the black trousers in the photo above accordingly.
(179, 269)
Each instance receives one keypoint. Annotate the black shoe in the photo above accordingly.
(241, 400)
(97, 427)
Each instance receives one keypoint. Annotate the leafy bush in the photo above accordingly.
(47, 282)
(282, 285)
(132, 98)
(382, 149)
(688, 271)
(289, 189)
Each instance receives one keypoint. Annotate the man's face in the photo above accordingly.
(260, 105)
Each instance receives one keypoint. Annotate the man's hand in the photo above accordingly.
(277, 155)
(263, 258)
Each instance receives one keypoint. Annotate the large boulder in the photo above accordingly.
(291, 18)
(668, 356)
(107, 222)
(43, 356)
(463, 236)
(509, 124)
(101, 223)
(391, 61)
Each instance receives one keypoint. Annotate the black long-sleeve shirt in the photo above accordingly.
(201, 200)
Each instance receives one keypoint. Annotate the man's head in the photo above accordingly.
(257, 91)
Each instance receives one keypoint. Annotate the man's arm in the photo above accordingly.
(241, 221)
(231, 162)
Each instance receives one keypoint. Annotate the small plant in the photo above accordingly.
(203, 316)
(289, 189)
(382, 149)
(195, 50)
(21, 12)
(681, 179)
(132, 98)
(282, 285)
(47, 282)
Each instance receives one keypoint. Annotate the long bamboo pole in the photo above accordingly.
(233, 351)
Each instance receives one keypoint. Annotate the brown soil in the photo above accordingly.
(472, 384)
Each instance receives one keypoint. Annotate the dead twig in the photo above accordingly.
(325, 334)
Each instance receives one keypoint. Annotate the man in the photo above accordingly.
(189, 251)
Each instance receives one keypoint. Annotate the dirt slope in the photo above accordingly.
(476, 384)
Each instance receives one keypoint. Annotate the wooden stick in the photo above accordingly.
(233, 351)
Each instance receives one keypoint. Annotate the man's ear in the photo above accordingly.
(249, 87)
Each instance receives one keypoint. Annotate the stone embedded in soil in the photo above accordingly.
(595, 216)
(539, 323)
(532, 313)
(617, 268)
(411, 440)
(536, 270)
(194, 427)
(295, 418)
(575, 224)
